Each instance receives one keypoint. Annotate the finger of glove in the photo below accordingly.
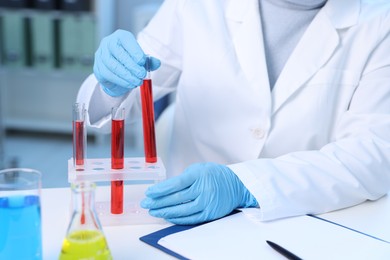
(114, 71)
(188, 220)
(130, 45)
(181, 210)
(154, 63)
(200, 217)
(113, 90)
(170, 186)
(133, 60)
(169, 200)
(106, 77)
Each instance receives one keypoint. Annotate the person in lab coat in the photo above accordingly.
(283, 105)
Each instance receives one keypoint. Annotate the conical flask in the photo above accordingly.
(84, 238)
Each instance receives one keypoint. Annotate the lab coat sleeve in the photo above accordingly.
(352, 169)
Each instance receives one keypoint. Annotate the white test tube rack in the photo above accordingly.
(135, 171)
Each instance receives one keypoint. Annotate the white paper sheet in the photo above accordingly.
(239, 237)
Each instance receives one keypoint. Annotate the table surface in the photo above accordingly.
(371, 218)
(124, 240)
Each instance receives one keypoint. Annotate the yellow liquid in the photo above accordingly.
(85, 244)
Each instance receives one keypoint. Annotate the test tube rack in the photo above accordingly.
(136, 172)
(120, 207)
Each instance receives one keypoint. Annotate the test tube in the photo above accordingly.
(117, 157)
(79, 136)
(148, 116)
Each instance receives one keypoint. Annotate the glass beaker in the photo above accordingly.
(20, 214)
(84, 238)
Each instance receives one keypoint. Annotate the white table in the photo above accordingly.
(371, 218)
(123, 241)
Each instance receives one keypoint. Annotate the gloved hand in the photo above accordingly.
(203, 192)
(119, 63)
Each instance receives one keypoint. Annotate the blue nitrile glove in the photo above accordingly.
(203, 192)
(119, 63)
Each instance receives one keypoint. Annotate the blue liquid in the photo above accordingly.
(20, 228)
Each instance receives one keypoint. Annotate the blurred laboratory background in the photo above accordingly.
(46, 51)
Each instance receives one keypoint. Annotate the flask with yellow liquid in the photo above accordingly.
(84, 238)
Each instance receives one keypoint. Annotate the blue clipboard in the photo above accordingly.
(153, 238)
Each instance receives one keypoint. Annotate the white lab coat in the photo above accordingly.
(319, 141)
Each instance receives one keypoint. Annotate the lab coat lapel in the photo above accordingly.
(245, 28)
(315, 48)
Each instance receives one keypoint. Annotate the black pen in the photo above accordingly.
(283, 251)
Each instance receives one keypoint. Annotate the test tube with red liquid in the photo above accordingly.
(148, 116)
(79, 136)
(117, 157)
